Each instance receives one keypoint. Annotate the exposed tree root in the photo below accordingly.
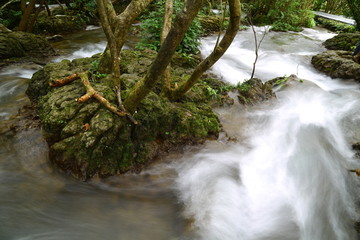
(92, 93)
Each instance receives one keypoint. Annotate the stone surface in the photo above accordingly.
(337, 64)
(343, 41)
(254, 91)
(20, 44)
(86, 139)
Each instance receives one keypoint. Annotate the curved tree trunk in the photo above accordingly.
(121, 26)
(182, 22)
(235, 12)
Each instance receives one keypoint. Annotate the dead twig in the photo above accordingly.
(65, 80)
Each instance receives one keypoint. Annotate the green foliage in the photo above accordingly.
(212, 93)
(10, 18)
(284, 15)
(151, 28)
(85, 9)
(244, 87)
(94, 71)
(283, 27)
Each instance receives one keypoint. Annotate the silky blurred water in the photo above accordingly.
(285, 178)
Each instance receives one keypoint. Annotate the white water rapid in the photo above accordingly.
(287, 176)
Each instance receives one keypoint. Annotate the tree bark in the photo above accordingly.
(168, 12)
(182, 22)
(105, 14)
(234, 24)
(121, 26)
(26, 14)
(30, 25)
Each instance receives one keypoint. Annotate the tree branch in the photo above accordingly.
(182, 22)
(92, 93)
(233, 27)
(63, 81)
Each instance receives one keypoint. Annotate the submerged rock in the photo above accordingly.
(86, 139)
(337, 64)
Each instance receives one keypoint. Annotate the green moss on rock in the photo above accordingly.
(254, 91)
(343, 41)
(335, 26)
(61, 21)
(86, 139)
(21, 44)
(337, 64)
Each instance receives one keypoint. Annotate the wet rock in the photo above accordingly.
(254, 91)
(4, 29)
(55, 38)
(343, 41)
(211, 24)
(61, 20)
(87, 140)
(59, 24)
(337, 64)
(15, 45)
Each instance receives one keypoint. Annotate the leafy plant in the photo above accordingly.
(151, 28)
(94, 71)
(10, 18)
(284, 15)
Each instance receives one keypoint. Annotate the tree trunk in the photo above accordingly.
(182, 22)
(121, 26)
(105, 13)
(235, 12)
(26, 15)
(30, 25)
(168, 12)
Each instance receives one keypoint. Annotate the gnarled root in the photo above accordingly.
(92, 93)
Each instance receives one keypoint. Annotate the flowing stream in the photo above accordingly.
(284, 178)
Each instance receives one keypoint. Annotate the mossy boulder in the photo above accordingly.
(18, 47)
(15, 45)
(254, 91)
(59, 24)
(335, 26)
(86, 139)
(343, 41)
(337, 64)
(63, 20)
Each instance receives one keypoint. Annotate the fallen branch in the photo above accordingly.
(63, 81)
